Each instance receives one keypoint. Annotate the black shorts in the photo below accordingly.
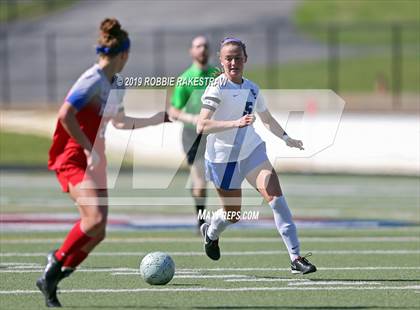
(194, 144)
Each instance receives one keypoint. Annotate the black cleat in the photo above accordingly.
(50, 293)
(302, 265)
(47, 284)
(210, 246)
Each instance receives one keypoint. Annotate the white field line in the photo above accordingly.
(334, 283)
(213, 276)
(297, 282)
(288, 269)
(181, 271)
(19, 265)
(192, 276)
(232, 253)
(11, 268)
(254, 279)
(214, 289)
(229, 239)
(185, 271)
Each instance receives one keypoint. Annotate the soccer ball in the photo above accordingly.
(157, 268)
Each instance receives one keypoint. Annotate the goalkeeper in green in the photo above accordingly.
(185, 107)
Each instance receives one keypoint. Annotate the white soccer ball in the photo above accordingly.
(157, 268)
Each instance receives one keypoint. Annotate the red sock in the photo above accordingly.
(75, 259)
(75, 240)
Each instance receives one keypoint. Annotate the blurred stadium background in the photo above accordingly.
(365, 183)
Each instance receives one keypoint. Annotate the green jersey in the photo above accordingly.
(189, 88)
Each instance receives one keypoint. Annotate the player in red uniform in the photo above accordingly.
(77, 154)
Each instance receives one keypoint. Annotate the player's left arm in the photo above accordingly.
(122, 121)
(271, 124)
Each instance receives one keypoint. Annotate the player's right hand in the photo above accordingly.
(92, 159)
(246, 120)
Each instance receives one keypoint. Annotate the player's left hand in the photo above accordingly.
(294, 143)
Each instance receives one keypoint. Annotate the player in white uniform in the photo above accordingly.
(234, 151)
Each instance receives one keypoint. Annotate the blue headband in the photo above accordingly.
(107, 50)
(233, 40)
(228, 40)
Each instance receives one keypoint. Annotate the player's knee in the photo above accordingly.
(101, 235)
(233, 221)
(96, 223)
(270, 198)
(99, 222)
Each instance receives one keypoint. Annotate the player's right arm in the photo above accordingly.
(78, 97)
(211, 100)
(207, 125)
(67, 118)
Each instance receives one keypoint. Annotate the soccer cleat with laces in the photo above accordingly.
(210, 246)
(302, 265)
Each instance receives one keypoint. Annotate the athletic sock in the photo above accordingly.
(74, 241)
(285, 226)
(199, 204)
(74, 259)
(199, 208)
(218, 224)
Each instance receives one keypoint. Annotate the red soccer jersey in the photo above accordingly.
(90, 95)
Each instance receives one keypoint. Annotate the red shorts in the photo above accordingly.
(74, 175)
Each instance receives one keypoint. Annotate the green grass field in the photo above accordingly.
(14, 149)
(22, 10)
(357, 74)
(360, 269)
(313, 16)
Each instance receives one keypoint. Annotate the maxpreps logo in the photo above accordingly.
(230, 215)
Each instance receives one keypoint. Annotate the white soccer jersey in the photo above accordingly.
(231, 101)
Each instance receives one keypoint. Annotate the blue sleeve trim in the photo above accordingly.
(82, 92)
(78, 99)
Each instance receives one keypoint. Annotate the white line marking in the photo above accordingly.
(19, 265)
(186, 271)
(297, 282)
(191, 276)
(288, 269)
(232, 253)
(214, 289)
(21, 271)
(181, 271)
(228, 239)
(335, 283)
(214, 276)
(254, 279)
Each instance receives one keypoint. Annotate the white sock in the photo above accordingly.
(217, 225)
(285, 225)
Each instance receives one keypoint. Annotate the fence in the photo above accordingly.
(41, 67)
